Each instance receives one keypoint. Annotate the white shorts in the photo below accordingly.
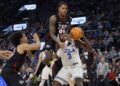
(46, 72)
(65, 74)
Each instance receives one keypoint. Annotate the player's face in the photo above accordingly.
(24, 39)
(62, 35)
(63, 10)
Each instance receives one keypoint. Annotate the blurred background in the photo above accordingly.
(102, 25)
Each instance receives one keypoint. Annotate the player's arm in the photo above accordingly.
(52, 29)
(38, 64)
(85, 44)
(5, 54)
(89, 47)
(29, 47)
(31, 54)
(5, 57)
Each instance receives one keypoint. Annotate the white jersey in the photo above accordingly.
(69, 55)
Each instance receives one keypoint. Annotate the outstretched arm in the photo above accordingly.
(38, 64)
(30, 47)
(87, 46)
(5, 54)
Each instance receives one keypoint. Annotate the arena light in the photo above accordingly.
(78, 20)
(9, 28)
(17, 27)
(28, 7)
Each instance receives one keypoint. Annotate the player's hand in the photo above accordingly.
(81, 41)
(83, 34)
(34, 79)
(7, 53)
(68, 37)
(35, 36)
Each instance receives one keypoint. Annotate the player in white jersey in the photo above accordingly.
(72, 65)
(69, 55)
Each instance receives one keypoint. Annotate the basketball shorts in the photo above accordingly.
(56, 67)
(46, 72)
(65, 74)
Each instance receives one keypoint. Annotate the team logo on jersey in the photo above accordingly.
(69, 52)
(62, 27)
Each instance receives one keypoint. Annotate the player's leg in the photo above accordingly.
(45, 75)
(12, 78)
(41, 67)
(42, 82)
(71, 82)
(62, 78)
(79, 81)
(56, 67)
(57, 64)
(77, 73)
(56, 83)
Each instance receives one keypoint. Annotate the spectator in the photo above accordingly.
(102, 71)
(112, 52)
(111, 75)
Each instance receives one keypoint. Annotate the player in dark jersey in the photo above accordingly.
(16, 60)
(59, 23)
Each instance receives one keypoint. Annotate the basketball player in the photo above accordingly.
(44, 57)
(15, 62)
(72, 65)
(47, 70)
(44, 62)
(57, 22)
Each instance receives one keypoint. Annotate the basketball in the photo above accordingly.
(76, 33)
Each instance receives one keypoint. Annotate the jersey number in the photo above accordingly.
(69, 52)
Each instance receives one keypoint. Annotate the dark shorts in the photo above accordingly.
(12, 78)
(58, 64)
(56, 67)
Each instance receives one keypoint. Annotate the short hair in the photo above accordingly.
(15, 38)
(62, 3)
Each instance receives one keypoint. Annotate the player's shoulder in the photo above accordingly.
(53, 17)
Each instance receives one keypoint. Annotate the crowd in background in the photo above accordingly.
(104, 38)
